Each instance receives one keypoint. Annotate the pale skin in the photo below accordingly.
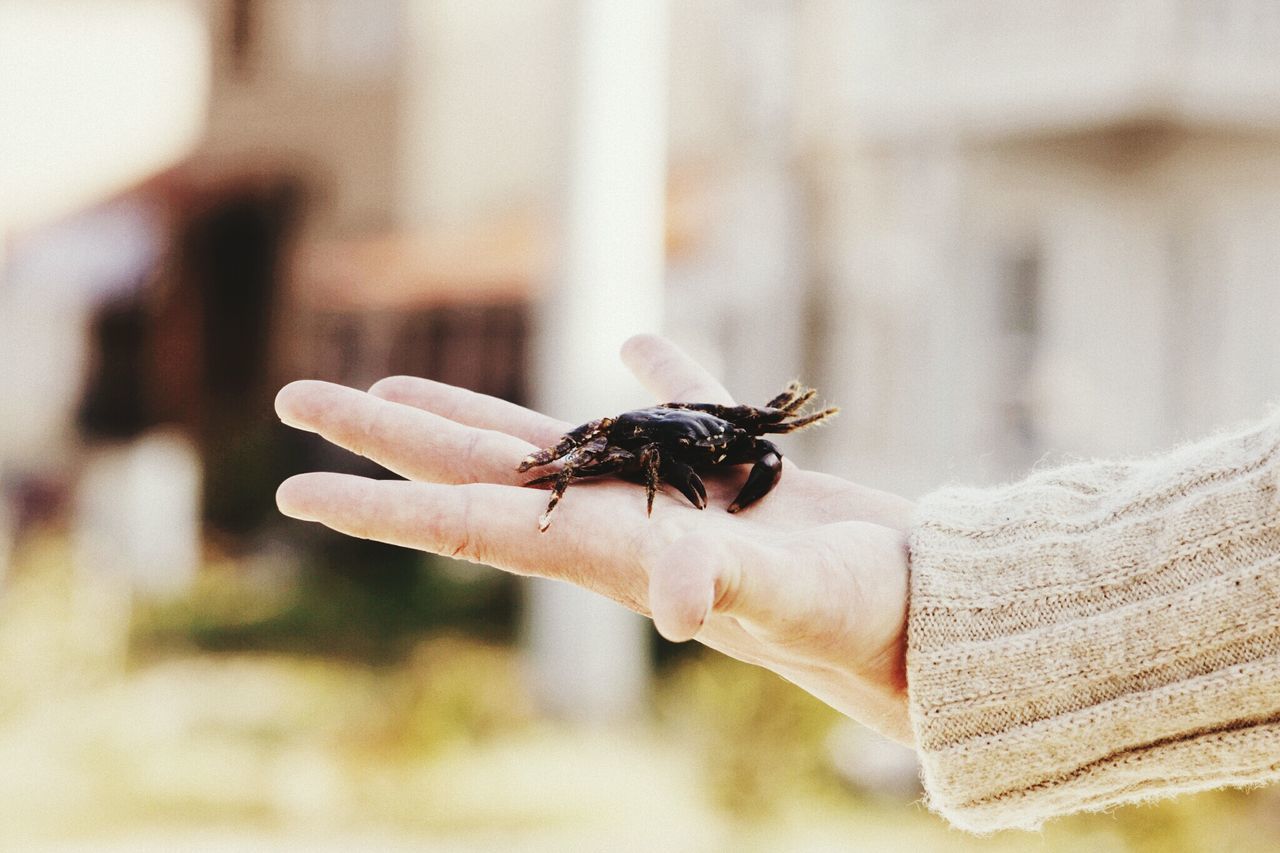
(811, 582)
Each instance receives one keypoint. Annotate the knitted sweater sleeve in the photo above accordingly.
(1099, 634)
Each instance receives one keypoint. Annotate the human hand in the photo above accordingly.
(810, 582)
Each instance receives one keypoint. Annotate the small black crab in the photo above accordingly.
(670, 442)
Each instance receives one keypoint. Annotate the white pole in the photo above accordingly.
(588, 656)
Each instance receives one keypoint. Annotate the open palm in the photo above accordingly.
(811, 582)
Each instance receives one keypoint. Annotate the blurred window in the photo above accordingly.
(241, 31)
(342, 40)
(481, 347)
(346, 40)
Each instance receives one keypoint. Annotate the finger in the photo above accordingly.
(411, 442)
(669, 372)
(470, 408)
(483, 523)
(426, 516)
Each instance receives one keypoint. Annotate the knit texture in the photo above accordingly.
(1100, 633)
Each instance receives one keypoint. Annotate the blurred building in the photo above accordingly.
(992, 231)
(989, 230)
(1046, 226)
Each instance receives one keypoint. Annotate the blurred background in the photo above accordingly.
(995, 231)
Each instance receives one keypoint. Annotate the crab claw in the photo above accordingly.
(763, 477)
(687, 481)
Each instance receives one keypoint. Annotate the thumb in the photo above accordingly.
(686, 580)
(839, 588)
(754, 580)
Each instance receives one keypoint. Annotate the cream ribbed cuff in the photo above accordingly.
(1099, 634)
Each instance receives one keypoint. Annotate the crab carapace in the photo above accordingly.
(671, 442)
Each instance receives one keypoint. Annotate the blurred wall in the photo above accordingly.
(484, 107)
(990, 231)
(1043, 227)
(313, 88)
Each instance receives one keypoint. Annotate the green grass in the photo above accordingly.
(257, 710)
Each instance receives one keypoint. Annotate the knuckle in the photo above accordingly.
(455, 531)
(363, 518)
(471, 456)
(658, 542)
(371, 429)
(388, 388)
(728, 588)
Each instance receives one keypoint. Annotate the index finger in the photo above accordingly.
(593, 542)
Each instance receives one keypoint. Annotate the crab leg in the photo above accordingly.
(592, 466)
(792, 426)
(560, 481)
(650, 460)
(764, 474)
(793, 390)
(733, 414)
(611, 463)
(570, 440)
(798, 403)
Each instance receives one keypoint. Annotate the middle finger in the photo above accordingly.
(471, 408)
(411, 442)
